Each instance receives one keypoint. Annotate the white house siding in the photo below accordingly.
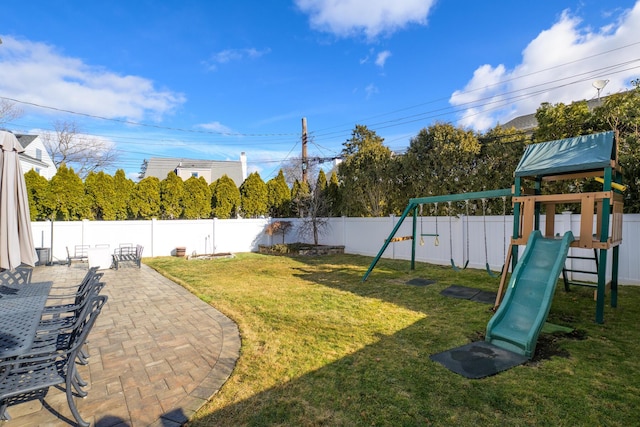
(29, 159)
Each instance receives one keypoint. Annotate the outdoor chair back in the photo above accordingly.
(80, 253)
(17, 284)
(17, 277)
(30, 375)
(68, 307)
(127, 254)
(62, 290)
(63, 317)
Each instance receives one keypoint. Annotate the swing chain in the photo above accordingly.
(421, 232)
(466, 203)
(436, 241)
(453, 264)
(504, 227)
(484, 227)
(450, 232)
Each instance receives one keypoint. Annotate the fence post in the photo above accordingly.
(153, 231)
(344, 232)
(393, 247)
(213, 235)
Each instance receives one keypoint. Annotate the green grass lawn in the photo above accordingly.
(321, 348)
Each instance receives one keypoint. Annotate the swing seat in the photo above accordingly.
(491, 273)
(456, 268)
(430, 235)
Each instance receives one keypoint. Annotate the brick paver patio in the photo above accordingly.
(157, 353)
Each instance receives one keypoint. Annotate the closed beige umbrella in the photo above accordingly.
(16, 242)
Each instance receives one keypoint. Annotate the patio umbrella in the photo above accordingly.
(16, 242)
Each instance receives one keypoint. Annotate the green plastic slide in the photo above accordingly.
(517, 323)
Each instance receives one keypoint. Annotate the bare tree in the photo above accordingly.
(292, 170)
(85, 153)
(8, 111)
(316, 222)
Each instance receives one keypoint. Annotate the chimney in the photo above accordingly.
(243, 162)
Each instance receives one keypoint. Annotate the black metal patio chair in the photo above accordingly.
(56, 317)
(80, 253)
(32, 374)
(128, 254)
(66, 308)
(17, 277)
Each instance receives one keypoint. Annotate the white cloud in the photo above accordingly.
(230, 55)
(217, 127)
(369, 17)
(133, 175)
(382, 57)
(36, 73)
(371, 90)
(559, 65)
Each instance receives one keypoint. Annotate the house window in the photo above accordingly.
(37, 170)
(194, 174)
(38, 154)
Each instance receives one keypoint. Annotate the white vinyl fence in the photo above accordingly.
(460, 238)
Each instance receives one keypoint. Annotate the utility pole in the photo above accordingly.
(304, 150)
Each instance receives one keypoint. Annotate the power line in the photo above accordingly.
(502, 82)
(490, 100)
(317, 132)
(497, 101)
(285, 158)
(129, 122)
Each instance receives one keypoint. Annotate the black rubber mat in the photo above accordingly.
(485, 297)
(461, 292)
(473, 294)
(420, 282)
(478, 360)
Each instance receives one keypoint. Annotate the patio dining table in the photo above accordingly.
(25, 291)
(20, 314)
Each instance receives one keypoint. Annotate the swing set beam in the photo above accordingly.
(489, 194)
(412, 207)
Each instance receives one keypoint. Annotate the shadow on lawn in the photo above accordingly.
(376, 385)
(391, 382)
(427, 299)
(389, 281)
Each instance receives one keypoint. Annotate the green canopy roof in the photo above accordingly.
(581, 153)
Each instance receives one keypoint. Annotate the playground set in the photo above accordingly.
(522, 306)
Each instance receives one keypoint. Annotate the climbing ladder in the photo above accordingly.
(565, 271)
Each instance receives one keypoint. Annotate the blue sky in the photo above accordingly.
(209, 80)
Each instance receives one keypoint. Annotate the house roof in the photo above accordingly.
(25, 140)
(528, 122)
(577, 154)
(195, 164)
(160, 167)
